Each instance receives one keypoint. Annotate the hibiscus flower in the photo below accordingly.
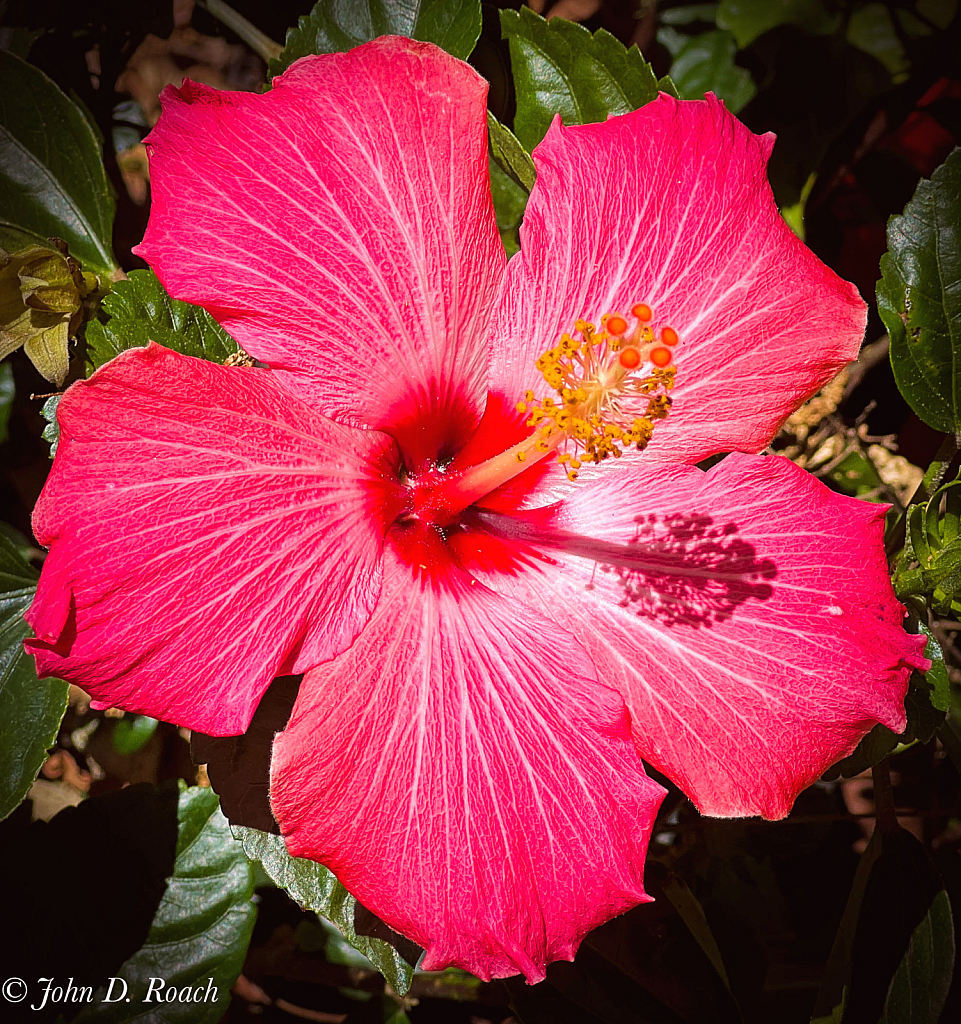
(434, 502)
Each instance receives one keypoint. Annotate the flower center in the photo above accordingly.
(610, 387)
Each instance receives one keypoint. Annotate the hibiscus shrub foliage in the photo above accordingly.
(483, 528)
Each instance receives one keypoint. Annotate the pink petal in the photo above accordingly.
(340, 227)
(745, 614)
(208, 531)
(466, 778)
(670, 206)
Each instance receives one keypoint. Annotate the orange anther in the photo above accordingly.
(616, 325)
(630, 358)
(660, 356)
(669, 336)
(642, 312)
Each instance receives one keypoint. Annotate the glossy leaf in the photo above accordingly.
(705, 63)
(919, 297)
(509, 155)
(30, 709)
(920, 985)
(200, 931)
(51, 432)
(334, 26)
(937, 675)
(52, 180)
(748, 19)
(315, 888)
(139, 310)
(560, 68)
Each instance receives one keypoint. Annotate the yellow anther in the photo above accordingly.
(521, 456)
(602, 404)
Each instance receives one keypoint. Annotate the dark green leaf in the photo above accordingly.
(510, 201)
(560, 68)
(705, 63)
(201, 929)
(919, 297)
(903, 888)
(872, 30)
(920, 985)
(51, 432)
(831, 997)
(314, 887)
(139, 310)
(748, 19)
(13, 238)
(509, 154)
(30, 709)
(52, 181)
(7, 393)
(334, 26)
(132, 732)
(924, 720)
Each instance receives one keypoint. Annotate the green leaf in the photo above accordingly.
(925, 717)
(201, 929)
(139, 310)
(334, 26)
(509, 155)
(510, 201)
(51, 432)
(560, 68)
(52, 181)
(937, 675)
(705, 63)
(871, 29)
(315, 888)
(30, 709)
(748, 19)
(13, 238)
(920, 985)
(919, 297)
(7, 394)
(832, 995)
(897, 925)
(132, 732)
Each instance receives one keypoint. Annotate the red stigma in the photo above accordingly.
(630, 358)
(669, 336)
(660, 356)
(616, 325)
(643, 312)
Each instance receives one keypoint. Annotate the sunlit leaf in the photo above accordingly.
(139, 310)
(561, 68)
(919, 297)
(334, 26)
(315, 888)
